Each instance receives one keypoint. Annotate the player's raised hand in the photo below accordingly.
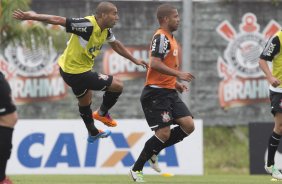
(21, 15)
(186, 76)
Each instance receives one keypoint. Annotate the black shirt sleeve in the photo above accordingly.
(271, 49)
(79, 26)
(110, 36)
(160, 46)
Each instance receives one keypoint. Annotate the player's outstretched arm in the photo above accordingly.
(29, 15)
(118, 47)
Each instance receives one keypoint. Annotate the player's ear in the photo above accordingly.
(103, 15)
(166, 19)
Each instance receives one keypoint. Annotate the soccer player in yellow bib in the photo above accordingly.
(272, 52)
(76, 63)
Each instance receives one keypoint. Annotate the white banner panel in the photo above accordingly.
(60, 147)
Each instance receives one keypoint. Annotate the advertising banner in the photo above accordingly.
(60, 147)
(243, 81)
(115, 64)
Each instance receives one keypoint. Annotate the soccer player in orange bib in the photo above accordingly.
(160, 101)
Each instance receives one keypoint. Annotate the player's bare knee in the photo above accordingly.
(192, 130)
(116, 86)
(163, 134)
(187, 124)
(86, 99)
(189, 127)
(278, 129)
(119, 85)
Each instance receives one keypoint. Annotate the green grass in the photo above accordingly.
(123, 179)
(226, 150)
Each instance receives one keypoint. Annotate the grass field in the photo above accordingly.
(226, 150)
(124, 179)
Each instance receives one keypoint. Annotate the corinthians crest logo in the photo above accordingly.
(243, 81)
(32, 73)
(28, 62)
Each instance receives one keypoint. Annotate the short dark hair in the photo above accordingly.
(164, 10)
(104, 7)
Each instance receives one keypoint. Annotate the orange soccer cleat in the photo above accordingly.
(107, 120)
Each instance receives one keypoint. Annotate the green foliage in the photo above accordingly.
(30, 34)
(9, 27)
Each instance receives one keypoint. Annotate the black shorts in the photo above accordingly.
(162, 106)
(276, 102)
(81, 83)
(6, 103)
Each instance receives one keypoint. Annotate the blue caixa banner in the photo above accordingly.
(60, 147)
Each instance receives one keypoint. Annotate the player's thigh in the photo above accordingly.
(81, 83)
(275, 102)
(182, 115)
(97, 81)
(157, 108)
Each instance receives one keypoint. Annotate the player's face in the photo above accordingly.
(112, 17)
(173, 20)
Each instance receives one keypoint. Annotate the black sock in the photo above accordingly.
(273, 144)
(152, 146)
(176, 136)
(86, 115)
(109, 100)
(5, 147)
